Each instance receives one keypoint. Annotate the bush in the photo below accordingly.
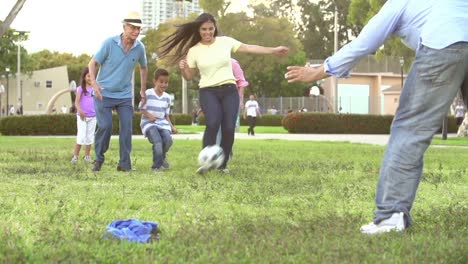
(327, 123)
(65, 124)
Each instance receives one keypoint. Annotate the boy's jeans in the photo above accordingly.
(162, 141)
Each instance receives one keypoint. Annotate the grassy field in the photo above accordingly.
(284, 202)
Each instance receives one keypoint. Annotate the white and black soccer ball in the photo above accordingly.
(211, 157)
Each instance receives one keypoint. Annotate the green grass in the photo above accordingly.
(186, 129)
(450, 141)
(284, 202)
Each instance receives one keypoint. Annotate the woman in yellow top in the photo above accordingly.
(199, 50)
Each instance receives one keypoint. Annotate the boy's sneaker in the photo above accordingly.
(166, 164)
(74, 159)
(395, 223)
(224, 171)
(158, 170)
(87, 159)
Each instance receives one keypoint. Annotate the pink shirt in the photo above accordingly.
(86, 102)
(238, 74)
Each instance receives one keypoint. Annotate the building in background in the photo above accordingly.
(155, 12)
(38, 90)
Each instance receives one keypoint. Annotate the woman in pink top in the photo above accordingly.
(85, 117)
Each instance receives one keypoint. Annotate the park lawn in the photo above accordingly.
(284, 202)
(450, 141)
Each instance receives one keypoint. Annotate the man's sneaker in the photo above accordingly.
(97, 165)
(166, 164)
(395, 223)
(74, 159)
(87, 159)
(158, 170)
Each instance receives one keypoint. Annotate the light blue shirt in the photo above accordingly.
(115, 73)
(433, 23)
(447, 24)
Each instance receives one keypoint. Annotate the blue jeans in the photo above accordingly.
(162, 141)
(104, 128)
(433, 81)
(220, 105)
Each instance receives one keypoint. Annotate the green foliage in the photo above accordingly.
(343, 123)
(360, 12)
(9, 52)
(65, 124)
(284, 202)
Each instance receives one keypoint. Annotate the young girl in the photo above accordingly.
(155, 122)
(199, 49)
(85, 117)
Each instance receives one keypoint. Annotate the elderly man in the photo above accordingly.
(437, 30)
(112, 88)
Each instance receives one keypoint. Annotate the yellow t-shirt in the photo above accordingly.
(213, 61)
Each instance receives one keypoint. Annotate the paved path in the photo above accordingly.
(358, 138)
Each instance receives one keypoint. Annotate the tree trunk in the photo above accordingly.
(463, 129)
(5, 25)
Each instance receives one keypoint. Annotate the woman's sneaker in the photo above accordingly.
(74, 159)
(166, 164)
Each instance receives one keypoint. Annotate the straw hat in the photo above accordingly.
(133, 18)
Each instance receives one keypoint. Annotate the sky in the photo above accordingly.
(73, 26)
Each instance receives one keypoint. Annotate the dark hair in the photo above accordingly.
(83, 80)
(185, 37)
(160, 72)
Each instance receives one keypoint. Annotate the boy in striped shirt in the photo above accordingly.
(155, 123)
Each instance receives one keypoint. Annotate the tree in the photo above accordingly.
(361, 11)
(9, 52)
(5, 25)
(215, 7)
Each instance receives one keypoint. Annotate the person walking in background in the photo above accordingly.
(460, 112)
(438, 72)
(155, 123)
(85, 118)
(251, 111)
(199, 49)
(112, 88)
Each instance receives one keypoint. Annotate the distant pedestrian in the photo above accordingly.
(251, 112)
(460, 112)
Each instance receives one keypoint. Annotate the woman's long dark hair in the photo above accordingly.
(83, 80)
(185, 37)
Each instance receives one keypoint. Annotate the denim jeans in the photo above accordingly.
(104, 128)
(162, 141)
(220, 105)
(433, 81)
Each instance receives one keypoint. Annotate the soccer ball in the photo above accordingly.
(211, 157)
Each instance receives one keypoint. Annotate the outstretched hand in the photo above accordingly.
(280, 50)
(305, 74)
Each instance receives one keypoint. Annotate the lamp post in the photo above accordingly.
(335, 49)
(2, 90)
(7, 69)
(402, 62)
(19, 87)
